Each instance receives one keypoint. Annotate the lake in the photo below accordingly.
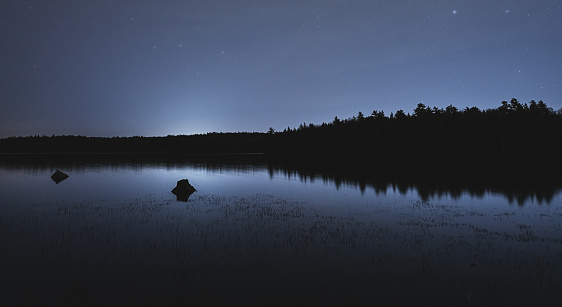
(272, 232)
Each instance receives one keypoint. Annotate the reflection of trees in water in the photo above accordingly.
(434, 177)
(455, 188)
(430, 179)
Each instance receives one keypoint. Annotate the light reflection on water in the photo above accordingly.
(259, 233)
(118, 179)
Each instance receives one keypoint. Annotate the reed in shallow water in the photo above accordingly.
(262, 248)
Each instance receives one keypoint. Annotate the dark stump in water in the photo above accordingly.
(58, 176)
(183, 190)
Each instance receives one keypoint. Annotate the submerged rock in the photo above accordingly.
(58, 176)
(183, 190)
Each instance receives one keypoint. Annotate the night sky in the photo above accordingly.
(152, 68)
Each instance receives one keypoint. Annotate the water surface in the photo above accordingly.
(258, 231)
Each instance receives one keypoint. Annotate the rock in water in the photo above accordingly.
(58, 176)
(183, 190)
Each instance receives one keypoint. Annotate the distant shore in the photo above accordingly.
(512, 133)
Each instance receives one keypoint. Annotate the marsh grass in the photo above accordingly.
(267, 250)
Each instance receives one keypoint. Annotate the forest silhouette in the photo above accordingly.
(511, 132)
(512, 128)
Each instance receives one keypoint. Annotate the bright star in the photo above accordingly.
(455, 12)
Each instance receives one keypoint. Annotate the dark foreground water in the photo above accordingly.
(269, 233)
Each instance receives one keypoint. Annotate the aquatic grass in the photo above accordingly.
(262, 249)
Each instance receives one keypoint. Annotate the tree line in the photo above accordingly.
(513, 129)
(241, 142)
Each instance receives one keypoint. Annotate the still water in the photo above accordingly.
(257, 232)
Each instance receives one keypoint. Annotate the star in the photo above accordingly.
(455, 12)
